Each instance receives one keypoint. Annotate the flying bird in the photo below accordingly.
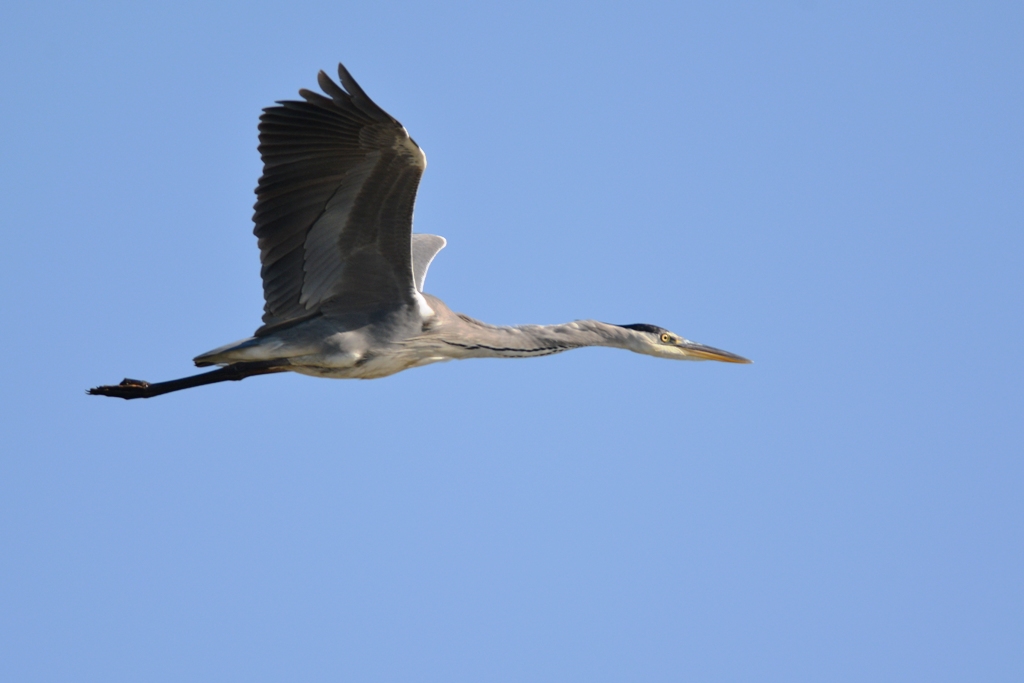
(343, 272)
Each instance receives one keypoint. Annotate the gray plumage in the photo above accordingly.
(343, 275)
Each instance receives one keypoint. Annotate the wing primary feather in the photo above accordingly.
(332, 89)
(359, 97)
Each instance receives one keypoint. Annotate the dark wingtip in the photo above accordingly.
(346, 80)
(331, 88)
(360, 98)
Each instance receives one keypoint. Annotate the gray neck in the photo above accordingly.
(474, 339)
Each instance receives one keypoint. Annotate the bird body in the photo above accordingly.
(328, 347)
(343, 274)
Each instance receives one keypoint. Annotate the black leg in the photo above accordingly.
(134, 388)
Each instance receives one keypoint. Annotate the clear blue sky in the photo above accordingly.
(835, 190)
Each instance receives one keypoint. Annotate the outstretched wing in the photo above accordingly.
(334, 205)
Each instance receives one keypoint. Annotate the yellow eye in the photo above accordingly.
(666, 337)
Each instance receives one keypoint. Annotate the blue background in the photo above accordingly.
(835, 190)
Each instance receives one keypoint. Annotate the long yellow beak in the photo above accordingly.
(701, 352)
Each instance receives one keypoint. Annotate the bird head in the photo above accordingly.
(657, 341)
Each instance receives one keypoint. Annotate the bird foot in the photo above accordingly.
(128, 388)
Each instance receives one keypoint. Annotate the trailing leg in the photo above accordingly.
(134, 388)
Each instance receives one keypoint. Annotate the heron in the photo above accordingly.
(343, 273)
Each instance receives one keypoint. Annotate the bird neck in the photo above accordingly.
(525, 341)
(580, 333)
